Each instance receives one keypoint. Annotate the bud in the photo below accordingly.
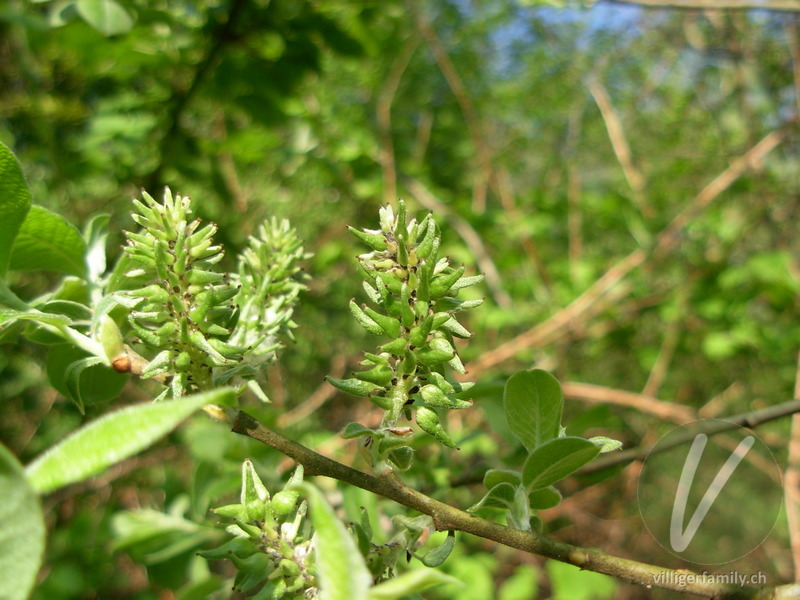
(374, 239)
(429, 422)
(355, 387)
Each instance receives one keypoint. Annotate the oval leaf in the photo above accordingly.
(544, 498)
(495, 476)
(114, 437)
(82, 378)
(533, 402)
(15, 200)
(556, 459)
(21, 530)
(342, 572)
(107, 16)
(46, 241)
(500, 496)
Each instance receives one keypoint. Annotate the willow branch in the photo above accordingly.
(447, 517)
(709, 427)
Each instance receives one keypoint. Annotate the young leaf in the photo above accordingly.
(499, 496)
(46, 241)
(495, 476)
(544, 498)
(533, 402)
(343, 574)
(22, 530)
(112, 438)
(438, 555)
(606, 444)
(519, 517)
(15, 200)
(556, 459)
(409, 583)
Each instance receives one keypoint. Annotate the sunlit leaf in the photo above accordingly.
(533, 403)
(112, 438)
(47, 242)
(22, 530)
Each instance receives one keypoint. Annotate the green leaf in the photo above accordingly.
(438, 555)
(343, 574)
(520, 515)
(22, 530)
(15, 200)
(107, 16)
(114, 437)
(544, 498)
(46, 241)
(556, 459)
(533, 403)
(10, 299)
(8, 315)
(495, 476)
(354, 430)
(410, 583)
(499, 496)
(81, 378)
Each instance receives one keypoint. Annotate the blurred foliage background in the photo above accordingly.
(626, 177)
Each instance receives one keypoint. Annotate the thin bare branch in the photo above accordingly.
(596, 394)
(666, 352)
(709, 427)
(619, 143)
(320, 396)
(665, 242)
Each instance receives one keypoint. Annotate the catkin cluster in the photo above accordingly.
(414, 295)
(206, 327)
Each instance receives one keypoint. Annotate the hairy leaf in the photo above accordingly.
(22, 530)
(112, 438)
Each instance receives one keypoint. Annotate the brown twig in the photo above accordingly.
(667, 350)
(320, 396)
(619, 143)
(665, 241)
(446, 517)
(668, 411)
